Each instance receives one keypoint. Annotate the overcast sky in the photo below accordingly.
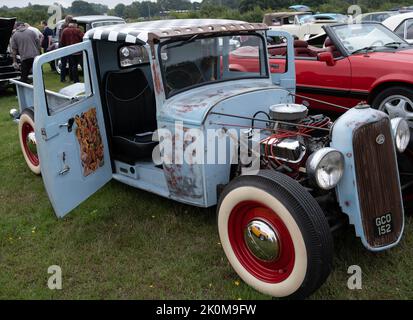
(65, 3)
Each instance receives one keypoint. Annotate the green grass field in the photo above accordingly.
(125, 243)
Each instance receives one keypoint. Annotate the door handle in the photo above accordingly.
(68, 124)
(65, 170)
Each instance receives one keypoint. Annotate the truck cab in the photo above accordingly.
(162, 108)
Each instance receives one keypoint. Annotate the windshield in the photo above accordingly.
(202, 60)
(305, 18)
(106, 23)
(357, 37)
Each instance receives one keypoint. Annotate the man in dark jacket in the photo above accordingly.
(72, 35)
(27, 44)
(47, 36)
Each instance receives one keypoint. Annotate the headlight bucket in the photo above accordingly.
(401, 133)
(325, 167)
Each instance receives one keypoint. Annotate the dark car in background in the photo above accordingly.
(7, 71)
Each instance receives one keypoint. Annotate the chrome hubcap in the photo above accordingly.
(262, 240)
(398, 106)
(31, 143)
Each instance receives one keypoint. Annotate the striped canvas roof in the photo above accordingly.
(138, 33)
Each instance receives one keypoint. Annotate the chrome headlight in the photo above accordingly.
(401, 133)
(326, 167)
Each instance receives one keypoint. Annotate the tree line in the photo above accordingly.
(248, 10)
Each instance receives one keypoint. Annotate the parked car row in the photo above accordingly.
(303, 25)
(156, 84)
(306, 26)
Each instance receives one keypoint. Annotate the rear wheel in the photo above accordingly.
(28, 140)
(275, 235)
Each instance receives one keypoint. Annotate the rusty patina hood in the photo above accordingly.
(193, 106)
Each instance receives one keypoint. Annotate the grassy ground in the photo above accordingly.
(125, 243)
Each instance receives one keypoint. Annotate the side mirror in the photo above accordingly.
(327, 57)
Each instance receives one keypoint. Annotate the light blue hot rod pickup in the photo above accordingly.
(162, 109)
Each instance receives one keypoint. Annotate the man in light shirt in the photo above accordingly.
(26, 43)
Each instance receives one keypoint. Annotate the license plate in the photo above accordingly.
(383, 225)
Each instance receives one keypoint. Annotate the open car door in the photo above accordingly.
(284, 70)
(70, 132)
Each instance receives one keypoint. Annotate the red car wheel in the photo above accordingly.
(261, 241)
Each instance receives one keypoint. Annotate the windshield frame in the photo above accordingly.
(202, 36)
(338, 40)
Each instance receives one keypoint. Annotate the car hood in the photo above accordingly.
(405, 56)
(192, 106)
(6, 29)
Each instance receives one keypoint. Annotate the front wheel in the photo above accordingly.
(28, 141)
(275, 235)
(396, 102)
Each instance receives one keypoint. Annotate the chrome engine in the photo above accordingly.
(289, 144)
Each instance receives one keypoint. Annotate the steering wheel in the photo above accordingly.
(182, 76)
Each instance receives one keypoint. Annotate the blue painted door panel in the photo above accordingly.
(285, 80)
(68, 178)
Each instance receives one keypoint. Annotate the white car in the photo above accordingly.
(303, 25)
(402, 25)
(377, 16)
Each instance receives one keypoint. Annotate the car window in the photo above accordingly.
(70, 86)
(204, 60)
(405, 30)
(400, 30)
(106, 23)
(409, 29)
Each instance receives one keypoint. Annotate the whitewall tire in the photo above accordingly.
(275, 235)
(28, 141)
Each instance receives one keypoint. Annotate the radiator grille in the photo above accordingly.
(377, 182)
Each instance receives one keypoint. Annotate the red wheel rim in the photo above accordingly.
(26, 130)
(274, 271)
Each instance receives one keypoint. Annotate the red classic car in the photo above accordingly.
(353, 62)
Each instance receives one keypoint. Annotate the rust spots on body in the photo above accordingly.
(157, 79)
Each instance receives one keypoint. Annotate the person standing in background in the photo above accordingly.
(36, 31)
(72, 35)
(47, 37)
(27, 44)
(64, 60)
